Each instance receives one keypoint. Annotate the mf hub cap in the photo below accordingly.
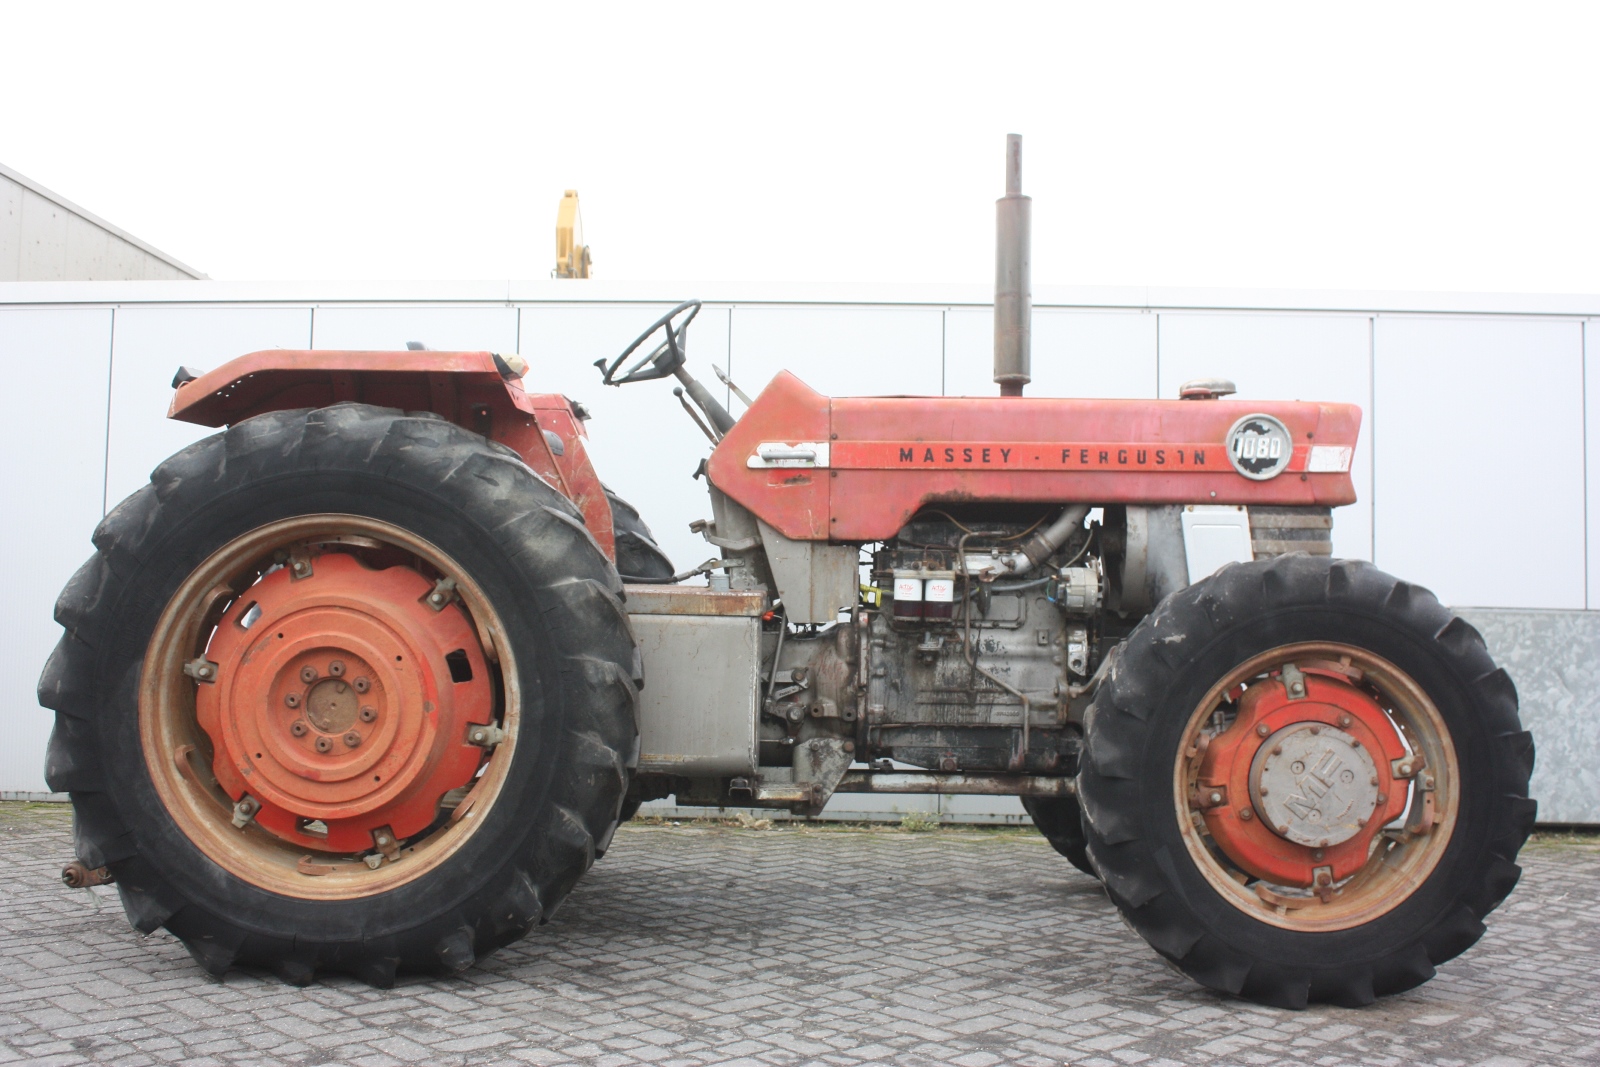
(334, 708)
(1314, 786)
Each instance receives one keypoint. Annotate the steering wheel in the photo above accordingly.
(666, 357)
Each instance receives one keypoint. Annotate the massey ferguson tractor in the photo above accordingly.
(365, 681)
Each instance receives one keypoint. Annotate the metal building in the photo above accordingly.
(47, 238)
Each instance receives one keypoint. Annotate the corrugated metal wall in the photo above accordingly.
(1476, 465)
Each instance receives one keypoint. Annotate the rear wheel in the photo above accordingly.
(1060, 820)
(1305, 780)
(639, 558)
(343, 689)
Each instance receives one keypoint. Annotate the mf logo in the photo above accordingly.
(1260, 447)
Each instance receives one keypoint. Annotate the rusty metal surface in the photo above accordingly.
(996, 785)
(692, 600)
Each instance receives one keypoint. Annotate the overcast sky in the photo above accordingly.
(1384, 146)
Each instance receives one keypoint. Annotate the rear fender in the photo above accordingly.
(475, 390)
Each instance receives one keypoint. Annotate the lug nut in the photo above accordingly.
(1262, 730)
(324, 744)
(1215, 798)
(298, 728)
(336, 668)
(1245, 814)
(300, 566)
(352, 739)
(362, 685)
(292, 699)
(1383, 798)
(1344, 721)
(370, 714)
(1315, 730)
(308, 673)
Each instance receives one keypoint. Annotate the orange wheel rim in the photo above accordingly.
(323, 709)
(1316, 786)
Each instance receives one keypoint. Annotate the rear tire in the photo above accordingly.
(563, 644)
(1164, 857)
(1060, 820)
(639, 558)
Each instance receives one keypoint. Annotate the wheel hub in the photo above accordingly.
(1314, 784)
(342, 702)
(1295, 790)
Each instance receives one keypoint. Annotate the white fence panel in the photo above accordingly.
(1591, 440)
(150, 344)
(1075, 353)
(53, 482)
(1479, 493)
(839, 351)
(444, 329)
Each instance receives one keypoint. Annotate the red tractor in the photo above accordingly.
(366, 681)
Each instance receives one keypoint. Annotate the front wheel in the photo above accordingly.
(343, 689)
(1305, 780)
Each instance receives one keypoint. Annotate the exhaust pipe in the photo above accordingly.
(1013, 289)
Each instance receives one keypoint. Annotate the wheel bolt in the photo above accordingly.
(369, 714)
(1262, 730)
(298, 728)
(436, 598)
(352, 739)
(362, 685)
(1245, 814)
(308, 673)
(1315, 730)
(1344, 721)
(1215, 798)
(336, 668)
(300, 566)
(1383, 798)
(324, 744)
(292, 699)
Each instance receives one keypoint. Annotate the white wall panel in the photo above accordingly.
(839, 351)
(1285, 357)
(52, 481)
(151, 343)
(643, 444)
(1591, 441)
(1075, 353)
(458, 329)
(1479, 437)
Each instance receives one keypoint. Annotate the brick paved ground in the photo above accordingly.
(718, 945)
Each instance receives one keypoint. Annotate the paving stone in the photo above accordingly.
(697, 946)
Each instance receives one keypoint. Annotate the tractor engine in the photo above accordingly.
(959, 654)
(954, 661)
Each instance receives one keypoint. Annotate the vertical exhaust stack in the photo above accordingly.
(1013, 288)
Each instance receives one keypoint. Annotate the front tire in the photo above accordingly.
(480, 631)
(1370, 860)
